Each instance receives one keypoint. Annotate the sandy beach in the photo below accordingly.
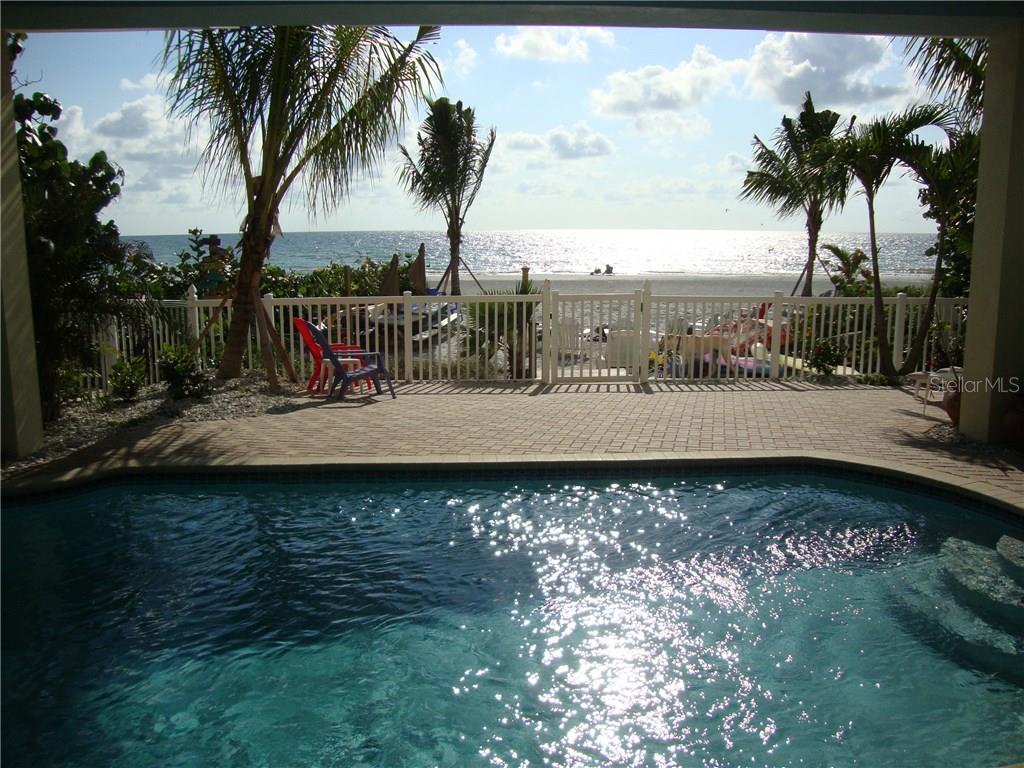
(677, 284)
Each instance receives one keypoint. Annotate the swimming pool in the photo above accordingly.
(713, 620)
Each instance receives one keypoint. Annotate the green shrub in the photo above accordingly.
(179, 367)
(127, 377)
(69, 382)
(826, 355)
(194, 267)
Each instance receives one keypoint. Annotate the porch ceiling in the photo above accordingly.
(887, 18)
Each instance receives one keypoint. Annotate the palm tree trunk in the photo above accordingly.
(454, 245)
(885, 365)
(254, 252)
(917, 347)
(813, 227)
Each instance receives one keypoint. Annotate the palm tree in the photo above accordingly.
(949, 177)
(320, 102)
(449, 171)
(953, 69)
(870, 153)
(800, 174)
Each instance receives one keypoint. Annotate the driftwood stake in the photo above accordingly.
(265, 345)
(209, 324)
(286, 361)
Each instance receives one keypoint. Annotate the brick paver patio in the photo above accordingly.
(456, 422)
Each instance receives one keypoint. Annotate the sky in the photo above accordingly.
(604, 128)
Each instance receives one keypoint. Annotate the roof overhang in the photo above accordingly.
(882, 18)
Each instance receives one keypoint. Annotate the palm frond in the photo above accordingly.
(284, 102)
(800, 171)
(953, 69)
(873, 148)
(360, 129)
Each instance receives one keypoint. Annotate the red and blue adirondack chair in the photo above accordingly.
(314, 349)
(370, 364)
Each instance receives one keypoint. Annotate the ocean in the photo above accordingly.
(581, 251)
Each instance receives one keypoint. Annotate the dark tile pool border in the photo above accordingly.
(977, 495)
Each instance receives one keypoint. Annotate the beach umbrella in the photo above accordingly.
(418, 273)
(390, 286)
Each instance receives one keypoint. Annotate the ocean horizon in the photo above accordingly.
(642, 251)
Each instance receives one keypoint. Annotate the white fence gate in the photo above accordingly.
(558, 338)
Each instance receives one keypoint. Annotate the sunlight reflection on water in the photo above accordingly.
(580, 251)
(643, 659)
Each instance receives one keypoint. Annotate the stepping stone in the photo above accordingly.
(1011, 551)
(924, 605)
(979, 580)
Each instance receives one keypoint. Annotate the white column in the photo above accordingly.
(994, 350)
(22, 415)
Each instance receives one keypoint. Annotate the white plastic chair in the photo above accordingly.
(929, 381)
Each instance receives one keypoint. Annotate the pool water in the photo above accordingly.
(711, 621)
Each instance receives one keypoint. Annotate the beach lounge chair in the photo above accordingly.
(370, 365)
(317, 375)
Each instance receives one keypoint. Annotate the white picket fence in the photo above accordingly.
(556, 338)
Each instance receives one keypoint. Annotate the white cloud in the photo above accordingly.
(71, 128)
(151, 147)
(135, 120)
(465, 58)
(579, 142)
(557, 44)
(177, 197)
(150, 82)
(668, 126)
(661, 188)
(524, 141)
(665, 101)
(733, 163)
(657, 89)
(838, 71)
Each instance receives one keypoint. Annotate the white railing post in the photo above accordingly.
(556, 337)
(897, 344)
(192, 310)
(545, 323)
(109, 352)
(776, 351)
(643, 333)
(407, 335)
(268, 305)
